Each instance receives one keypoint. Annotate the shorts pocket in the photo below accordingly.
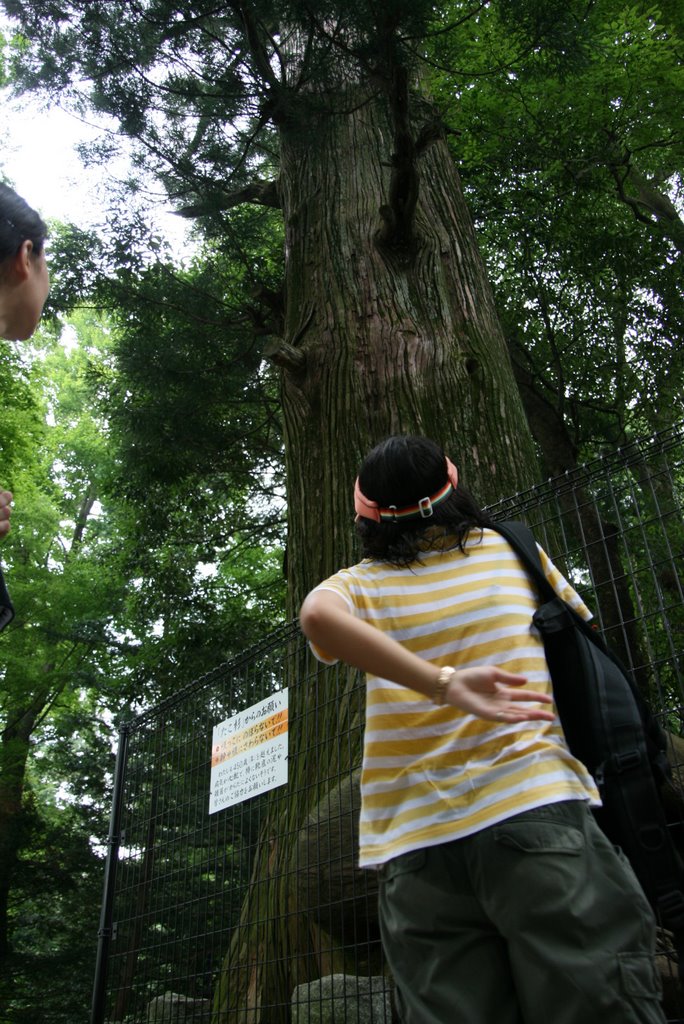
(540, 837)
(639, 976)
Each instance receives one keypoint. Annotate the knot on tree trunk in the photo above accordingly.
(283, 354)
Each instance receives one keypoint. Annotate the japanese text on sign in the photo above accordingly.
(249, 753)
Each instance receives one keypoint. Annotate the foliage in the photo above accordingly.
(20, 415)
(53, 660)
(571, 153)
(190, 397)
(104, 626)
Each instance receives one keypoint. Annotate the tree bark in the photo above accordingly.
(393, 342)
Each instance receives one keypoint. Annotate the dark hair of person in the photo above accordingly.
(18, 222)
(400, 471)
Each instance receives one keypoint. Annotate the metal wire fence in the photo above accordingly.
(256, 913)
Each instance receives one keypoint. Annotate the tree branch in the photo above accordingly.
(261, 193)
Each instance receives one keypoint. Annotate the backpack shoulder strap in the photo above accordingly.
(521, 539)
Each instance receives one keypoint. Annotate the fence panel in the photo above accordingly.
(175, 933)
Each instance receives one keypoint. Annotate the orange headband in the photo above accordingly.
(423, 508)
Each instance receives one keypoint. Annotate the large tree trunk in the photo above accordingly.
(379, 339)
(388, 341)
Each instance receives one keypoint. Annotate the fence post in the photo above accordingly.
(104, 934)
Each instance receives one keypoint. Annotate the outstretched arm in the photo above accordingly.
(486, 691)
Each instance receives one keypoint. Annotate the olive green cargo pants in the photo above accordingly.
(537, 920)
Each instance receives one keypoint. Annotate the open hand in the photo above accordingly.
(496, 695)
(5, 511)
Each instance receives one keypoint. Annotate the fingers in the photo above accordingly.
(510, 678)
(514, 712)
(510, 714)
(526, 715)
(499, 696)
(542, 698)
(498, 708)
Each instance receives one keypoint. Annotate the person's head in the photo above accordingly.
(24, 281)
(405, 487)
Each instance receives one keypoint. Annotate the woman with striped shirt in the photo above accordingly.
(501, 900)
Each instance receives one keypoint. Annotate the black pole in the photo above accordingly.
(104, 934)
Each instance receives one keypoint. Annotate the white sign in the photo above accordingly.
(249, 753)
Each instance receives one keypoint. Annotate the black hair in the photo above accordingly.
(400, 471)
(18, 222)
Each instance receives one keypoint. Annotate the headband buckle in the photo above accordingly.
(425, 508)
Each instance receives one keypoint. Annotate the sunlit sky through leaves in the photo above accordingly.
(39, 158)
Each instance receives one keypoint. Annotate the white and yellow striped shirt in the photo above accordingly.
(432, 774)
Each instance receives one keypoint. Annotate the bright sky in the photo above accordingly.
(38, 156)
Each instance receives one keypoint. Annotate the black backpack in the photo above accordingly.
(610, 728)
